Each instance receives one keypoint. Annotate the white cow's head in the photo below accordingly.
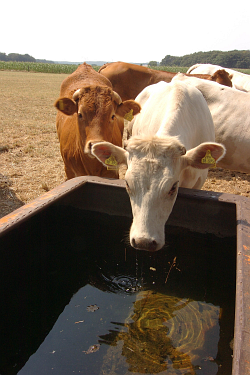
(154, 173)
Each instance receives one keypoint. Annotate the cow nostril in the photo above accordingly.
(144, 244)
(90, 144)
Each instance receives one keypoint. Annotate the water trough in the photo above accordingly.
(209, 213)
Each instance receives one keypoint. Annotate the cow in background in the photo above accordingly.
(240, 81)
(89, 111)
(172, 145)
(128, 80)
(230, 110)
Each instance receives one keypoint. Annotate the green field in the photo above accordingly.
(62, 68)
(69, 68)
(37, 67)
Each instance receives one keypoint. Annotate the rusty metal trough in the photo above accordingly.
(220, 214)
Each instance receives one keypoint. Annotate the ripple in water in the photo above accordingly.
(128, 284)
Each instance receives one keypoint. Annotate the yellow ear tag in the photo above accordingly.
(129, 116)
(208, 159)
(61, 105)
(111, 163)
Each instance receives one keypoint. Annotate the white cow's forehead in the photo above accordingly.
(146, 172)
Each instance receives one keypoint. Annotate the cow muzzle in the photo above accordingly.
(88, 147)
(147, 244)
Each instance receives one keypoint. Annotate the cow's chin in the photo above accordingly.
(87, 152)
(90, 155)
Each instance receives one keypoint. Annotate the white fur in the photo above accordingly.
(239, 80)
(230, 110)
(174, 119)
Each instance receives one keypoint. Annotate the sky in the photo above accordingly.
(131, 30)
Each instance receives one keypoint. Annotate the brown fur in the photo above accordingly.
(222, 77)
(88, 111)
(128, 80)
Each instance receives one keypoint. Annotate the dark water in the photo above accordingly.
(77, 299)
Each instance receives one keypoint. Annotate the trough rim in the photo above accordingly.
(241, 351)
(29, 209)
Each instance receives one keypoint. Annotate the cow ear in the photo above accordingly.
(128, 109)
(205, 155)
(66, 106)
(109, 155)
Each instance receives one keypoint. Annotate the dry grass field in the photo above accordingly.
(30, 160)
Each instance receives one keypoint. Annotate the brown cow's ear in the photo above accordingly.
(129, 106)
(66, 106)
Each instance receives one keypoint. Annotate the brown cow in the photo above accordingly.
(129, 80)
(221, 76)
(89, 111)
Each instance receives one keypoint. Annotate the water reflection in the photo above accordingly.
(164, 333)
(51, 281)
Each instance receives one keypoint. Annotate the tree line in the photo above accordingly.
(230, 59)
(21, 58)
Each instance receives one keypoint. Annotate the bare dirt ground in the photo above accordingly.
(30, 160)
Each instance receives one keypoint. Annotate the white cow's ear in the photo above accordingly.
(109, 155)
(205, 155)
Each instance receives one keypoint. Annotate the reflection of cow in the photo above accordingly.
(240, 80)
(163, 333)
(89, 111)
(129, 80)
(230, 110)
(166, 150)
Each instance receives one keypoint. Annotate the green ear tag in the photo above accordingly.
(208, 159)
(129, 116)
(61, 105)
(111, 163)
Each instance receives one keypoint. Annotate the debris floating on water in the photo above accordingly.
(92, 308)
(92, 349)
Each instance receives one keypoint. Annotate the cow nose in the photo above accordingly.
(88, 147)
(144, 244)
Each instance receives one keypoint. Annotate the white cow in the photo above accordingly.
(230, 110)
(239, 80)
(166, 151)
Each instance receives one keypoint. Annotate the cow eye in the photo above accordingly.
(79, 115)
(113, 117)
(173, 189)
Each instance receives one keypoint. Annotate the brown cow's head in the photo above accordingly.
(223, 77)
(99, 112)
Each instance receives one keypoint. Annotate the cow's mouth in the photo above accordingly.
(145, 244)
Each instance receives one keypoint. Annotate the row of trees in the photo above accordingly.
(230, 59)
(21, 58)
(16, 57)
